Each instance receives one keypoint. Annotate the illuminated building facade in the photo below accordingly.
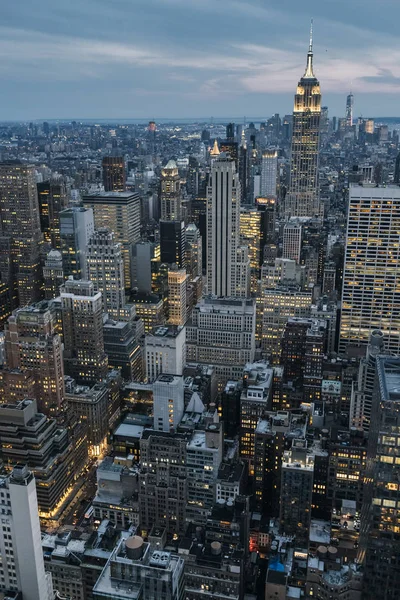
(55, 459)
(113, 173)
(76, 227)
(33, 345)
(82, 317)
(119, 212)
(251, 221)
(20, 235)
(302, 199)
(53, 198)
(171, 209)
(150, 309)
(90, 404)
(227, 262)
(380, 515)
(177, 296)
(371, 278)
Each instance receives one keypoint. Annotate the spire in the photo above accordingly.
(215, 151)
(309, 74)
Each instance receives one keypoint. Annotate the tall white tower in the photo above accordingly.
(22, 566)
(227, 262)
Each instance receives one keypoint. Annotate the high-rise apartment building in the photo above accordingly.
(269, 173)
(371, 278)
(20, 235)
(302, 199)
(53, 198)
(82, 319)
(177, 296)
(171, 209)
(168, 402)
(22, 565)
(33, 345)
(119, 212)
(379, 534)
(227, 262)
(105, 268)
(113, 173)
(221, 332)
(76, 227)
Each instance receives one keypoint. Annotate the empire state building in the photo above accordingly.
(302, 199)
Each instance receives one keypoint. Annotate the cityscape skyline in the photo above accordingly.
(208, 53)
(199, 321)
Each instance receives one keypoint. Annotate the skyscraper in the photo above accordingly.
(227, 265)
(53, 198)
(113, 173)
(177, 288)
(302, 199)
(119, 212)
(20, 234)
(172, 243)
(22, 565)
(53, 274)
(32, 344)
(371, 278)
(82, 316)
(292, 240)
(269, 171)
(76, 227)
(105, 268)
(170, 193)
(379, 538)
(349, 110)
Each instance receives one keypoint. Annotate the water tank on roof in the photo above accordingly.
(134, 547)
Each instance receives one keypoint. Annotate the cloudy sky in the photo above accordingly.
(194, 58)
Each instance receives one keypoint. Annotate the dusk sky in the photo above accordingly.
(194, 58)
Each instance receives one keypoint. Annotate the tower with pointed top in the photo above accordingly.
(302, 199)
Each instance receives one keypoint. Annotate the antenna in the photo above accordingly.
(311, 36)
